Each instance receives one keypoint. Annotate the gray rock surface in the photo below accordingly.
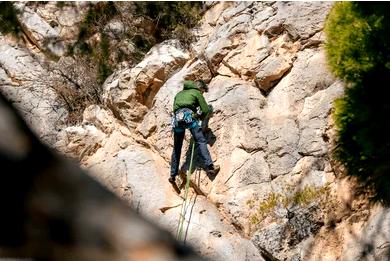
(27, 84)
(130, 93)
(50, 27)
(372, 241)
(272, 96)
(264, 100)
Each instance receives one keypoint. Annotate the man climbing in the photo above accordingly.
(185, 107)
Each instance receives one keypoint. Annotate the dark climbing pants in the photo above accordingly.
(200, 142)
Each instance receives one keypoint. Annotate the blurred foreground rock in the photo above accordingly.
(52, 210)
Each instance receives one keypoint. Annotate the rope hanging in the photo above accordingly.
(184, 206)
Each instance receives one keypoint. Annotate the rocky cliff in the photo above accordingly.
(279, 195)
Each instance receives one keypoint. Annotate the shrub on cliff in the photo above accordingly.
(358, 39)
(97, 17)
(358, 51)
(172, 19)
(8, 20)
(167, 19)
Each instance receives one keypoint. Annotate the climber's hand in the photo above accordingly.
(211, 110)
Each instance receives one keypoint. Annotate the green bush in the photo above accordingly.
(8, 20)
(103, 56)
(172, 19)
(169, 19)
(303, 197)
(358, 51)
(98, 15)
(144, 24)
(141, 43)
(358, 39)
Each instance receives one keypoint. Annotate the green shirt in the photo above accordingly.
(191, 97)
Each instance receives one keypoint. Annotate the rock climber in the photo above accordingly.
(186, 104)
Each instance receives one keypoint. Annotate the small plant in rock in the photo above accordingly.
(63, 4)
(264, 208)
(274, 200)
(103, 55)
(269, 204)
(307, 195)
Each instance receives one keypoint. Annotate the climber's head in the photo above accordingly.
(202, 86)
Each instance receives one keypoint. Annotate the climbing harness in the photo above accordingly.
(184, 206)
(183, 119)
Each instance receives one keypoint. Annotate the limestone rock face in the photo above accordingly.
(271, 96)
(129, 93)
(51, 27)
(368, 237)
(25, 81)
(28, 78)
(277, 195)
(300, 20)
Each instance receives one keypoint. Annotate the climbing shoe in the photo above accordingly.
(213, 170)
(172, 180)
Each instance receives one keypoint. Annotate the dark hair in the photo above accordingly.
(202, 85)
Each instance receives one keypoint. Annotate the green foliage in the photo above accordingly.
(142, 43)
(169, 20)
(358, 39)
(98, 15)
(103, 56)
(61, 4)
(172, 19)
(301, 198)
(358, 51)
(269, 204)
(8, 20)
(306, 196)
